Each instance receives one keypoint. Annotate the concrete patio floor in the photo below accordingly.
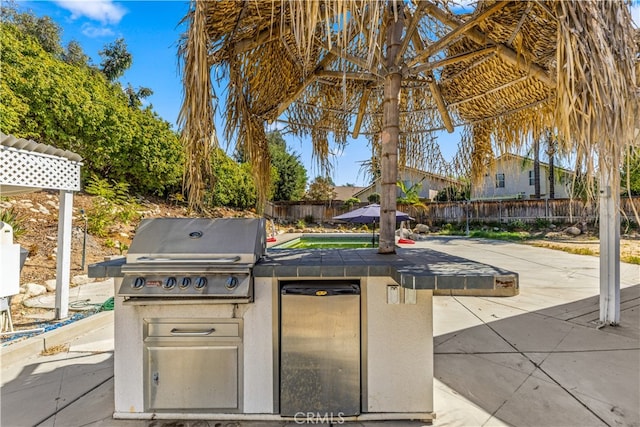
(535, 359)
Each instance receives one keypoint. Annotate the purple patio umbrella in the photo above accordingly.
(369, 215)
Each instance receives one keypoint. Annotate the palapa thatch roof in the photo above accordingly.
(506, 72)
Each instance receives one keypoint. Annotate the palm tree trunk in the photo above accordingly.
(536, 168)
(390, 134)
(551, 151)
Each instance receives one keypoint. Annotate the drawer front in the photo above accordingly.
(187, 330)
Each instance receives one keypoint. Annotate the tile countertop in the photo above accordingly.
(418, 268)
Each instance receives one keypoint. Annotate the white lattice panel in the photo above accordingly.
(29, 169)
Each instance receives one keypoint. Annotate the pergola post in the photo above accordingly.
(390, 132)
(609, 248)
(63, 263)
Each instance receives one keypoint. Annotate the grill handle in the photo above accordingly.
(192, 332)
(148, 259)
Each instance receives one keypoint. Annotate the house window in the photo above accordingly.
(499, 180)
(532, 178)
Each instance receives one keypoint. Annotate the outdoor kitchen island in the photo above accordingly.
(328, 335)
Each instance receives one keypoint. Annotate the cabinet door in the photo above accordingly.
(192, 377)
(320, 355)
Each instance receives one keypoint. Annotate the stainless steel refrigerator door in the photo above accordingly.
(320, 353)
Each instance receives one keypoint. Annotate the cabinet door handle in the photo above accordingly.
(191, 332)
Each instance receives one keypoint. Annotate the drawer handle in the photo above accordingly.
(192, 332)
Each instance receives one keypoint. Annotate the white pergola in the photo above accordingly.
(27, 166)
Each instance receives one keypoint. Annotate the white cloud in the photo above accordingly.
(103, 11)
(92, 31)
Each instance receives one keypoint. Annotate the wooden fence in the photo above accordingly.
(558, 211)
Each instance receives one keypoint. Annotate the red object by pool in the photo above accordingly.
(271, 239)
(406, 241)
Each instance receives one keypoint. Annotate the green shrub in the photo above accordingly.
(99, 217)
(308, 219)
(112, 203)
(11, 217)
(374, 198)
(518, 225)
(542, 223)
(114, 192)
(348, 204)
(500, 235)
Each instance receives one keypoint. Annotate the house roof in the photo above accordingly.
(508, 156)
(431, 175)
(345, 192)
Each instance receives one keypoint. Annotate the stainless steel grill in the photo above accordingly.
(193, 258)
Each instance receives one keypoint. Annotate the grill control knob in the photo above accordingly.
(170, 283)
(138, 283)
(231, 282)
(186, 281)
(200, 283)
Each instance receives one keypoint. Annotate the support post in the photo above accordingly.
(390, 133)
(63, 263)
(609, 249)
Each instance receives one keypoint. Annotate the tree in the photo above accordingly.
(291, 176)
(74, 54)
(454, 193)
(115, 59)
(411, 195)
(233, 184)
(321, 189)
(536, 167)
(43, 29)
(136, 96)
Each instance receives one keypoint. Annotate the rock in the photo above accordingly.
(404, 233)
(573, 231)
(421, 228)
(50, 285)
(34, 290)
(5, 205)
(496, 228)
(82, 279)
(17, 299)
(552, 226)
(43, 210)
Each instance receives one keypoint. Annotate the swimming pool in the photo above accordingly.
(329, 241)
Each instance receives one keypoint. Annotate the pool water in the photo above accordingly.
(340, 241)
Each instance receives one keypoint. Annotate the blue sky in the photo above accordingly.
(151, 30)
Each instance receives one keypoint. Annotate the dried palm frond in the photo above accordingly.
(508, 71)
(596, 106)
(196, 115)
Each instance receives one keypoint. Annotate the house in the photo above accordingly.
(429, 184)
(513, 178)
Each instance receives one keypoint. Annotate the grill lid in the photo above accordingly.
(199, 241)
